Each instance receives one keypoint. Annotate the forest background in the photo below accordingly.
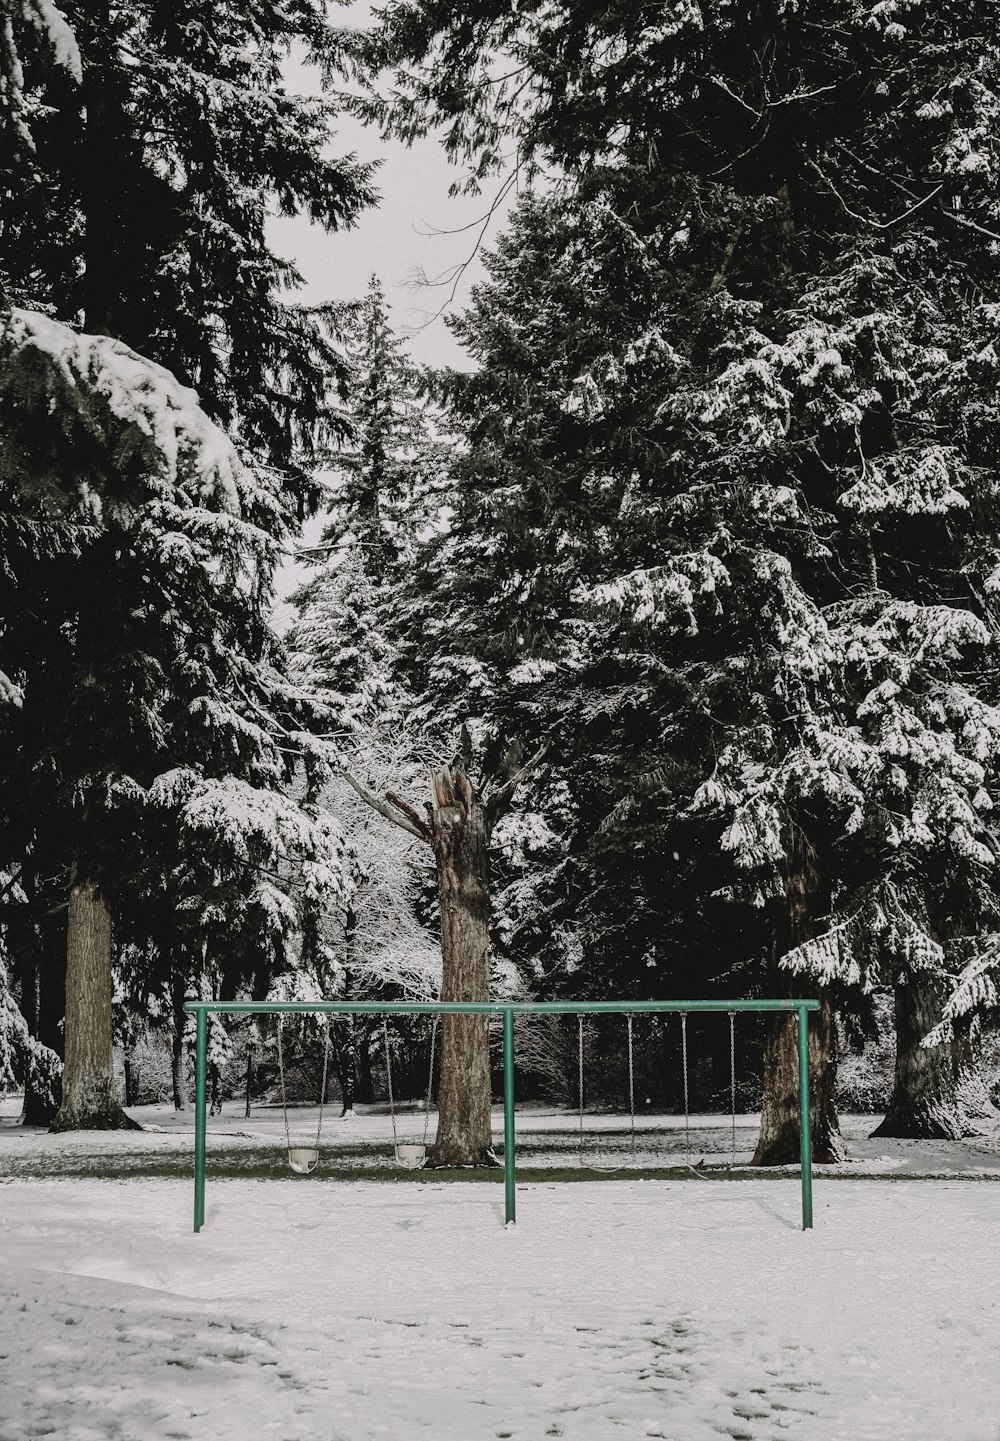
(684, 597)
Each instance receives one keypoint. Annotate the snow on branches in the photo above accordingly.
(186, 447)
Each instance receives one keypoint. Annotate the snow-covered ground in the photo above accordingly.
(306, 1311)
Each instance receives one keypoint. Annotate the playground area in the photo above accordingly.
(318, 1308)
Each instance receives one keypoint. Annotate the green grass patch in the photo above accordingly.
(357, 1162)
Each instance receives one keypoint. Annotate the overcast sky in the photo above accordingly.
(416, 228)
(397, 240)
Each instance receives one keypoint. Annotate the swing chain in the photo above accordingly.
(430, 1080)
(281, 1073)
(579, 1048)
(388, 1077)
(322, 1094)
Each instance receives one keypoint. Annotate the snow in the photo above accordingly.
(51, 23)
(143, 394)
(312, 1312)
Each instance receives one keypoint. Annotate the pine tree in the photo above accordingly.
(154, 731)
(147, 146)
(773, 465)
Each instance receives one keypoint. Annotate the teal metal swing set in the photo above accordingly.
(508, 1010)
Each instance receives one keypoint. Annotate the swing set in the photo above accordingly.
(303, 1159)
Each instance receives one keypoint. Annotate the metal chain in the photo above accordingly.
(430, 1081)
(281, 1073)
(732, 1074)
(684, 1056)
(322, 1092)
(388, 1077)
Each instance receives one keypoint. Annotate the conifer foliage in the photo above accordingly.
(163, 404)
(735, 423)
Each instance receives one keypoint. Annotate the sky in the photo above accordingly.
(405, 235)
(416, 228)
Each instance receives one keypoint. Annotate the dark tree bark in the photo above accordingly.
(343, 1059)
(89, 1101)
(806, 899)
(366, 1081)
(214, 1090)
(131, 1079)
(249, 1077)
(46, 978)
(460, 837)
(177, 1077)
(938, 1092)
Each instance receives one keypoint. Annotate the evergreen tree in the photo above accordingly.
(154, 731)
(749, 485)
(147, 146)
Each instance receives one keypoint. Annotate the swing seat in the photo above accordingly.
(411, 1154)
(303, 1159)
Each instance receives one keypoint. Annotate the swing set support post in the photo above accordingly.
(200, 1068)
(510, 1202)
(805, 1128)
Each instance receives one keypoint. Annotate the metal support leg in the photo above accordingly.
(508, 1118)
(200, 1068)
(805, 1128)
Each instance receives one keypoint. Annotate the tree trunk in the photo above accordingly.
(460, 837)
(131, 1079)
(89, 1101)
(344, 1069)
(177, 1069)
(778, 1142)
(50, 989)
(935, 1095)
(249, 1080)
(366, 1081)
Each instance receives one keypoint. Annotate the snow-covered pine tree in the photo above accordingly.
(148, 146)
(776, 471)
(153, 141)
(154, 731)
(380, 487)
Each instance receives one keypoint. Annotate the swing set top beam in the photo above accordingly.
(492, 1008)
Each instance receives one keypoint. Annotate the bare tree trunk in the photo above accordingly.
(458, 831)
(778, 1142)
(177, 1076)
(460, 837)
(178, 1071)
(366, 1081)
(131, 1079)
(935, 1094)
(89, 1101)
(249, 1080)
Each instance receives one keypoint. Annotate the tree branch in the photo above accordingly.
(499, 802)
(407, 819)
